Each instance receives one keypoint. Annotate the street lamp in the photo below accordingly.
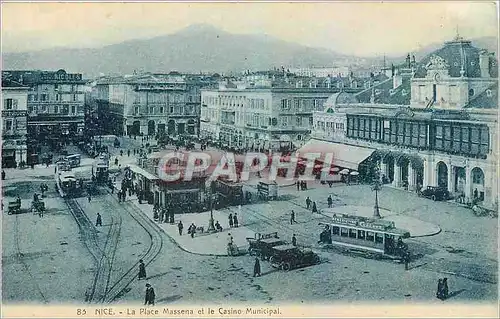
(211, 226)
(376, 186)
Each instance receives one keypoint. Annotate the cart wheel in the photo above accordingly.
(433, 197)
(271, 259)
(316, 260)
(286, 266)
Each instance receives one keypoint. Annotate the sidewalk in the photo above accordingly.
(214, 244)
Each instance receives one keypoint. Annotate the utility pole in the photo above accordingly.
(376, 187)
(211, 226)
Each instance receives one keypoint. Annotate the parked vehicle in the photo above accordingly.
(262, 247)
(14, 208)
(435, 193)
(288, 257)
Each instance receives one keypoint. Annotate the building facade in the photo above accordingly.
(261, 118)
(14, 123)
(148, 104)
(55, 108)
(446, 133)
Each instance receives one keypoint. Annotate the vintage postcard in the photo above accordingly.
(249, 159)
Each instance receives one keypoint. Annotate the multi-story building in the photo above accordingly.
(55, 107)
(323, 72)
(14, 119)
(267, 116)
(148, 104)
(444, 133)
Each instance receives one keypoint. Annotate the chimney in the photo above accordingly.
(484, 63)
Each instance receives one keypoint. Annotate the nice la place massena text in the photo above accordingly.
(202, 163)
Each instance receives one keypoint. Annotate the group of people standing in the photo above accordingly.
(311, 205)
(233, 220)
(301, 185)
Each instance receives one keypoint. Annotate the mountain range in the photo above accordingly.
(197, 48)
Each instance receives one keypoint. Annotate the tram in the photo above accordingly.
(230, 193)
(68, 185)
(371, 235)
(100, 169)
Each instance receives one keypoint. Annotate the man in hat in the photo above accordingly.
(99, 220)
(292, 218)
(294, 240)
(256, 267)
(308, 202)
(150, 295)
(181, 227)
(142, 270)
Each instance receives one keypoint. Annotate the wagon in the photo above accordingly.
(14, 207)
(263, 247)
(288, 257)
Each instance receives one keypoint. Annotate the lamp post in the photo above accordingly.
(376, 186)
(211, 226)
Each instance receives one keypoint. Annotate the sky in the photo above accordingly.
(358, 28)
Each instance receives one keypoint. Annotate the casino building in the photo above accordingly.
(433, 124)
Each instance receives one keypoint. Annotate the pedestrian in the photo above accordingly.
(439, 292)
(256, 267)
(235, 220)
(3, 175)
(55, 169)
(121, 152)
(406, 259)
(142, 270)
(99, 220)
(180, 227)
(476, 194)
(116, 161)
(192, 230)
(308, 202)
(89, 198)
(314, 208)
(298, 185)
(230, 218)
(128, 153)
(330, 201)
(150, 295)
(292, 218)
(294, 240)
(445, 288)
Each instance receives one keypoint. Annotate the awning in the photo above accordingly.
(345, 156)
(143, 173)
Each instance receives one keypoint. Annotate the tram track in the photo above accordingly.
(103, 257)
(154, 249)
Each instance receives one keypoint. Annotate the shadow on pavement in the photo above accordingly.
(169, 299)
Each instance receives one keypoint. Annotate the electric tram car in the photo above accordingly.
(100, 170)
(366, 234)
(68, 185)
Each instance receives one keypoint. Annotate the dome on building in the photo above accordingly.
(339, 98)
(459, 55)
